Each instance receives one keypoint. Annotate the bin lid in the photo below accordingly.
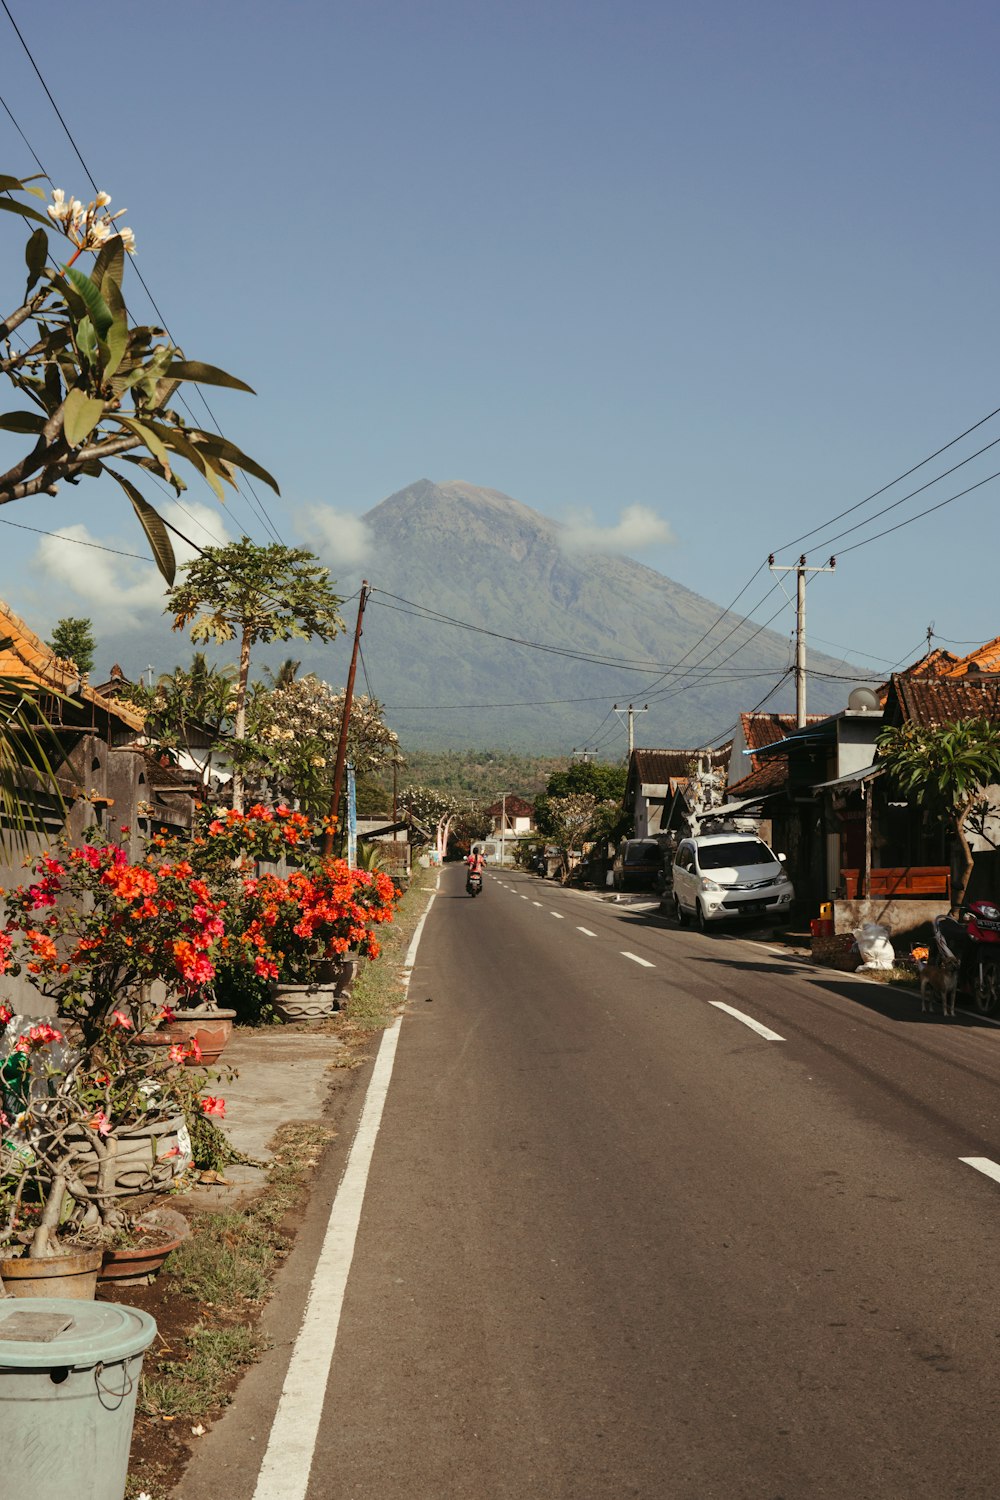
(44, 1333)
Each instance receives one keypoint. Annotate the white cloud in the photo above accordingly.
(341, 540)
(116, 591)
(637, 530)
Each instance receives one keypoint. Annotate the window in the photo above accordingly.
(740, 853)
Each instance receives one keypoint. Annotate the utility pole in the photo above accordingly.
(326, 848)
(800, 570)
(631, 730)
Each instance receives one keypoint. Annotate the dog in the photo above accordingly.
(938, 981)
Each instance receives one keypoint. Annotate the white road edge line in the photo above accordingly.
(984, 1165)
(764, 1031)
(284, 1472)
(586, 932)
(637, 960)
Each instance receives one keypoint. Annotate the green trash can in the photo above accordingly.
(69, 1374)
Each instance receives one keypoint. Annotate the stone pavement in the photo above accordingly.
(282, 1075)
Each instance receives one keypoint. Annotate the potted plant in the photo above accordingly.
(90, 1120)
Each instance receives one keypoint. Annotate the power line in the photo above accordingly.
(261, 510)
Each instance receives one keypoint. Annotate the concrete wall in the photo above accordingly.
(906, 920)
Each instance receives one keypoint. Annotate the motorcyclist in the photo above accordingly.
(474, 860)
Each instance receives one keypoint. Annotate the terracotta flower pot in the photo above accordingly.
(52, 1275)
(211, 1029)
(157, 1233)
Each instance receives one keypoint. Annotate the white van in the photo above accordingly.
(723, 875)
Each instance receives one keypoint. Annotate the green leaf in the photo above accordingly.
(22, 421)
(36, 253)
(24, 211)
(179, 441)
(96, 305)
(152, 442)
(86, 340)
(81, 415)
(224, 449)
(117, 343)
(111, 292)
(109, 266)
(154, 527)
(192, 369)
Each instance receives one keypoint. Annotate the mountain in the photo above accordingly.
(479, 557)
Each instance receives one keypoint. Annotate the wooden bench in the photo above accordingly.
(900, 882)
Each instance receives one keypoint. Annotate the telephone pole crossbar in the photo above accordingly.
(800, 570)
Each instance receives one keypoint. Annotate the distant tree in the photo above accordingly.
(606, 783)
(605, 787)
(73, 640)
(250, 593)
(946, 769)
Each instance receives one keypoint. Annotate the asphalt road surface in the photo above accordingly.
(618, 1242)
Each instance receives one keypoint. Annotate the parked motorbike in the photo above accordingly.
(974, 940)
(474, 883)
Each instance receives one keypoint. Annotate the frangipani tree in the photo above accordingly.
(249, 593)
(94, 386)
(946, 768)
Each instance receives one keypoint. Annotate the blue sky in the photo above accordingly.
(734, 265)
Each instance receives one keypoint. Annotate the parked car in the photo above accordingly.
(637, 864)
(718, 876)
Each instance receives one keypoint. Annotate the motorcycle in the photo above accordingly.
(974, 940)
(474, 882)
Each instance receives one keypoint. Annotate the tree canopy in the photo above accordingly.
(73, 640)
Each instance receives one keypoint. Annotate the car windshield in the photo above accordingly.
(738, 853)
(641, 854)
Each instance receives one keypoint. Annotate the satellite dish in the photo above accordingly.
(863, 700)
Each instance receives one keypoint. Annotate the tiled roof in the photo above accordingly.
(516, 807)
(660, 767)
(770, 776)
(941, 700)
(767, 729)
(28, 657)
(983, 659)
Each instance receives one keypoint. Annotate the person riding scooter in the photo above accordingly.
(474, 877)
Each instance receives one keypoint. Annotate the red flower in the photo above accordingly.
(213, 1106)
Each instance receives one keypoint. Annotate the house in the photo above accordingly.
(511, 819)
(105, 777)
(660, 785)
(198, 753)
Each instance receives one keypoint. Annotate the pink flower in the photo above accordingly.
(176, 1053)
(213, 1106)
(119, 1021)
(6, 1015)
(100, 1122)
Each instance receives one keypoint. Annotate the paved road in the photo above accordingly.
(617, 1242)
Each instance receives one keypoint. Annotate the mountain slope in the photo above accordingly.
(480, 557)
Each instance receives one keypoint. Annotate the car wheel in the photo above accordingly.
(703, 925)
(679, 912)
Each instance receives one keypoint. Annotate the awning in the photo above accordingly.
(853, 778)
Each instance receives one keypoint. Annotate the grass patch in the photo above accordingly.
(378, 988)
(224, 1271)
(191, 1386)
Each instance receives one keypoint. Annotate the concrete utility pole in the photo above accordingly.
(631, 730)
(800, 570)
(503, 826)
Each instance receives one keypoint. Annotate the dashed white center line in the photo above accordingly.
(764, 1031)
(536, 903)
(586, 932)
(984, 1165)
(637, 960)
(557, 914)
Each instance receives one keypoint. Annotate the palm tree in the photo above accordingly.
(947, 769)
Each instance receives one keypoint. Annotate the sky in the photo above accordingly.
(692, 280)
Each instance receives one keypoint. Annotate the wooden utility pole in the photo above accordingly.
(338, 774)
(800, 570)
